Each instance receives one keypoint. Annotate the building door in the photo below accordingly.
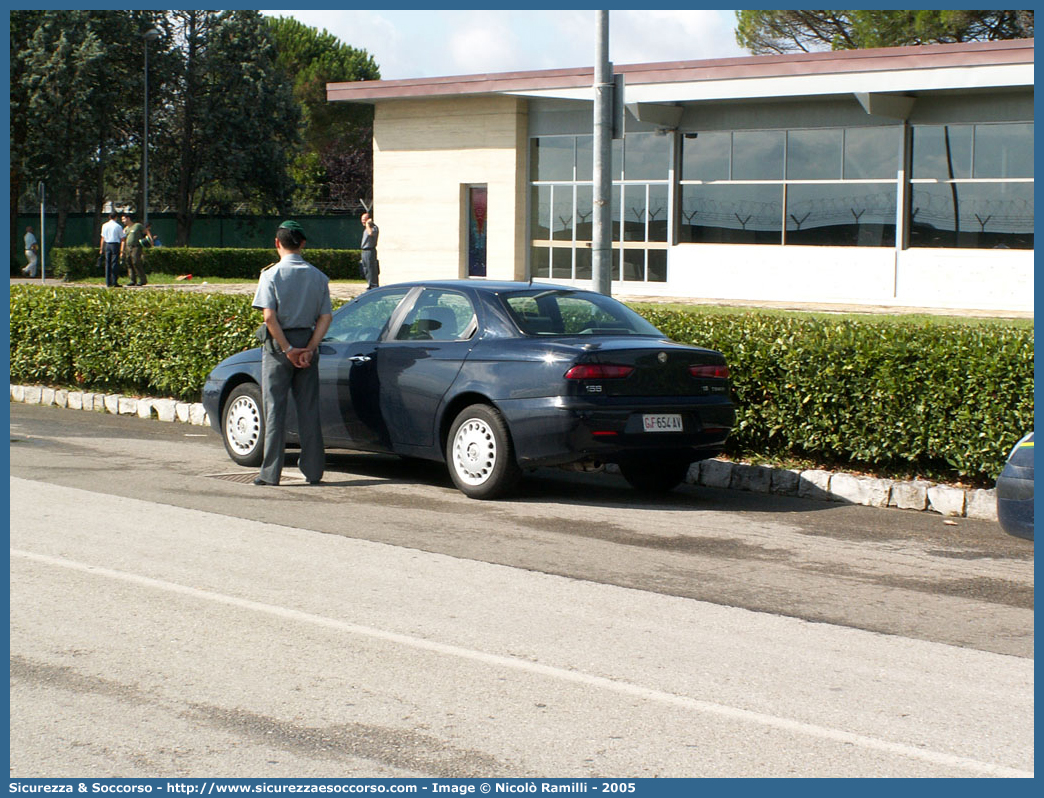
(475, 197)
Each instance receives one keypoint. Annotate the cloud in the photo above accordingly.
(417, 44)
(486, 44)
(643, 36)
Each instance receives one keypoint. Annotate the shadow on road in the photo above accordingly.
(553, 485)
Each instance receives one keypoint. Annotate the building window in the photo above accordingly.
(562, 207)
(815, 187)
(972, 186)
(724, 213)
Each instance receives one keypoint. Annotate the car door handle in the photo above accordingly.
(360, 358)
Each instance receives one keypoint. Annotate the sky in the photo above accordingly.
(429, 43)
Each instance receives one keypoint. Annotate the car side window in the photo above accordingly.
(438, 315)
(365, 318)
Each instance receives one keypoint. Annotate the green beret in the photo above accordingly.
(293, 226)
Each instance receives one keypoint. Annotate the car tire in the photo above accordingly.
(480, 455)
(243, 425)
(654, 474)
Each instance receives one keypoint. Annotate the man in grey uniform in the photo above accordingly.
(295, 299)
(368, 255)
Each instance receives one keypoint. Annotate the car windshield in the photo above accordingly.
(549, 312)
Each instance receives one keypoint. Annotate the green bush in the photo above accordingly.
(159, 343)
(941, 401)
(77, 263)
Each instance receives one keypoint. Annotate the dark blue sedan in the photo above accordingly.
(496, 378)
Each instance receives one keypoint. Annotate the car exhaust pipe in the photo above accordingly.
(584, 466)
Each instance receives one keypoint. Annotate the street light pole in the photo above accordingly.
(151, 33)
(601, 246)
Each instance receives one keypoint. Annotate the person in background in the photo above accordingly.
(368, 257)
(133, 250)
(111, 244)
(152, 238)
(31, 247)
(294, 297)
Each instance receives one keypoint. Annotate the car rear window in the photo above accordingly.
(568, 312)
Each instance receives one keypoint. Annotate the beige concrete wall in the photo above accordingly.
(425, 151)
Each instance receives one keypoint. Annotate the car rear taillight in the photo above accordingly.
(710, 372)
(598, 371)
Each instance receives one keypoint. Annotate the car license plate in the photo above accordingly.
(662, 422)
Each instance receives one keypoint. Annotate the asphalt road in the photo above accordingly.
(170, 619)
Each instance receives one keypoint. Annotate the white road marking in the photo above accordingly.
(496, 660)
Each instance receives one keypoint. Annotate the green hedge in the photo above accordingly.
(155, 343)
(942, 401)
(77, 263)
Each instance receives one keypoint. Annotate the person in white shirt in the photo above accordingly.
(30, 252)
(111, 240)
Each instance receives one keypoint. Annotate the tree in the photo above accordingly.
(336, 163)
(69, 70)
(762, 31)
(232, 122)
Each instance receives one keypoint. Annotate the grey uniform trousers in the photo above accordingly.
(370, 267)
(279, 379)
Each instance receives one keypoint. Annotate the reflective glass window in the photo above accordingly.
(584, 269)
(585, 157)
(852, 215)
(1003, 151)
(705, 156)
(562, 213)
(634, 213)
(975, 215)
(657, 266)
(659, 210)
(540, 261)
(614, 212)
(942, 152)
(757, 155)
(584, 213)
(814, 154)
(634, 264)
(646, 156)
(749, 214)
(551, 158)
(541, 211)
(872, 153)
(562, 262)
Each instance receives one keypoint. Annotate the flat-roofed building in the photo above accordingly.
(899, 177)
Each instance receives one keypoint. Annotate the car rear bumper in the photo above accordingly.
(558, 430)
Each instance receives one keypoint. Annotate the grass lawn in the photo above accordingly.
(923, 319)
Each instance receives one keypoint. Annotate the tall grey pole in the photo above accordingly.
(151, 33)
(145, 144)
(43, 237)
(602, 245)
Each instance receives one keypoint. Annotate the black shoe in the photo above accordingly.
(144, 282)
(259, 481)
(134, 284)
(315, 482)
